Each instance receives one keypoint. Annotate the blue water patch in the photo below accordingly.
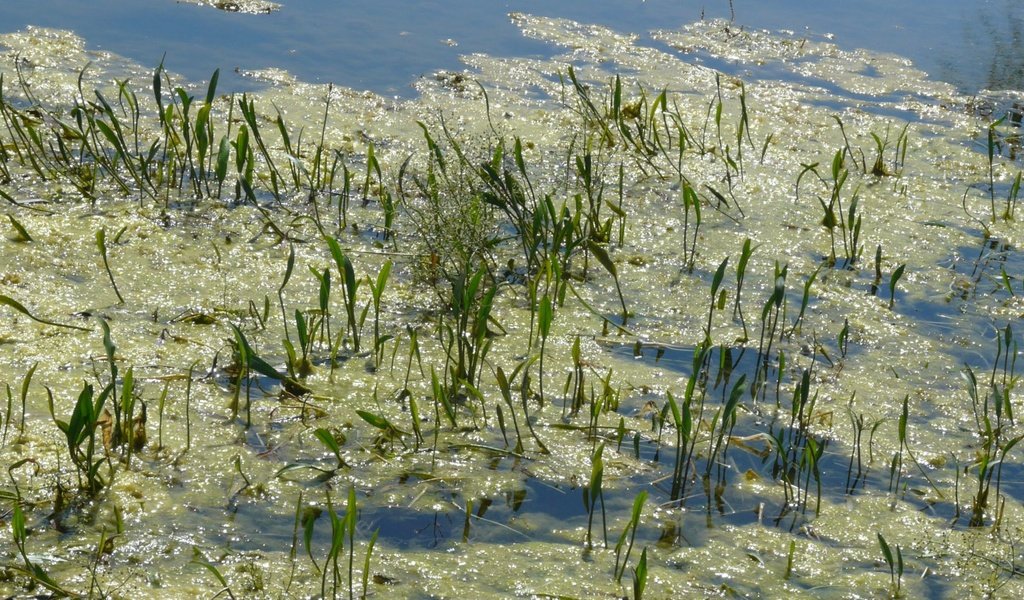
(386, 46)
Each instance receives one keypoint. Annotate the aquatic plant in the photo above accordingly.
(25, 382)
(690, 201)
(771, 315)
(685, 415)
(897, 274)
(545, 316)
(858, 424)
(741, 273)
(465, 336)
(36, 573)
(377, 292)
(895, 167)
(722, 424)
(249, 362)
(343, 529)
(22, 234)
(993, 148)
(82, 428)
(198, 559)
(388, 431)
(895, 565)
(594, 493)
(993, 415)
(640, 576)
(330, 442)
(7, 300)
(804, 300)
(717, 299)
(350, 286)
(1011, 198)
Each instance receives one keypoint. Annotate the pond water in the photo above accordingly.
(746, 302)
(384, 48)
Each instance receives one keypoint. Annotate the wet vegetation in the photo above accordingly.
(626, 343)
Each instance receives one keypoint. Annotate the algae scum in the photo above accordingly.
(612, 324)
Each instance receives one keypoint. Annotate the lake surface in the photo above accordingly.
(384, 48)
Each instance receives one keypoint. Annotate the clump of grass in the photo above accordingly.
(81, 430)
(343, 531)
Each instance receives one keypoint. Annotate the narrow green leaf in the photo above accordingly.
(375, 420)
(640, 576)
(716, 282)
(886, 552)
(223, 153)
(23, 235)
(545, 315)
(327, 439)
(18, 307)
(211, 90)
(602, 256)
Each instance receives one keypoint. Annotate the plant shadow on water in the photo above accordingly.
(439, 516)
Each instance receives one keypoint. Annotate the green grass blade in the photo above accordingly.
(18, 307)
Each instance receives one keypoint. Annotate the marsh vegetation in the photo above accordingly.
(612, 324)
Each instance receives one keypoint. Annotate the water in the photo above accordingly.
(386, 47)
